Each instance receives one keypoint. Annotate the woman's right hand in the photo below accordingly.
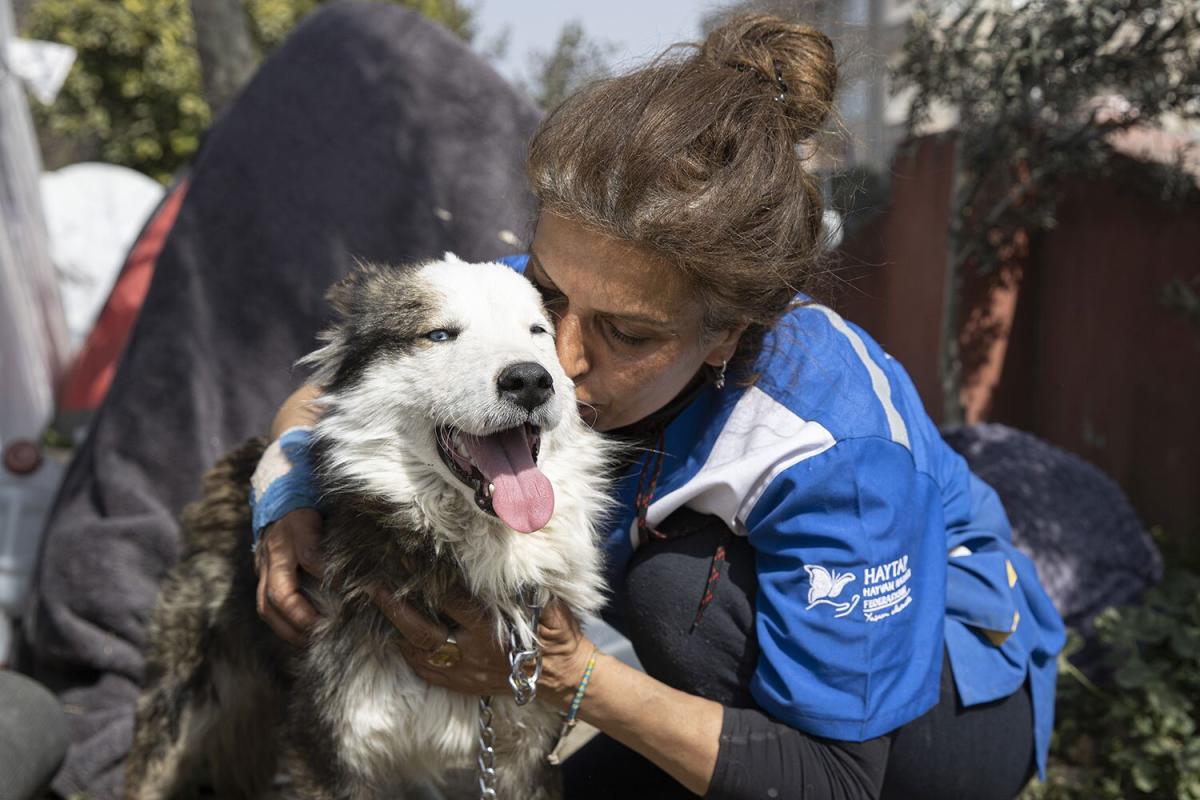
(288, 545)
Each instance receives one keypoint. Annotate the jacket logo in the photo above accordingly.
(825, 584)
(887, 589)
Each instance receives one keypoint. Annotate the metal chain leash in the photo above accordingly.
(526, 664)
(526, 667)
(487, 751)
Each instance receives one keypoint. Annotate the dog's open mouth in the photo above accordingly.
(502, 470)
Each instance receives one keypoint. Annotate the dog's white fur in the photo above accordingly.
(381, 435)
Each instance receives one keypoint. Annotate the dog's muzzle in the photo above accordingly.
(501, 470)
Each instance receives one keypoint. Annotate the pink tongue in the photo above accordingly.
(523, 496)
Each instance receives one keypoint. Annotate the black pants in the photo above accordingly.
(951, 752)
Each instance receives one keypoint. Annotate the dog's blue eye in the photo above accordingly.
(536, 328)
(440, 335)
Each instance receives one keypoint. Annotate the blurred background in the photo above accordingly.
(1014, 213)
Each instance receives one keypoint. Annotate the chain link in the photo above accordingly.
(526, 664)
(487, 751)
(526, 670)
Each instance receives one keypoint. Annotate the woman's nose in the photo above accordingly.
(569, 343)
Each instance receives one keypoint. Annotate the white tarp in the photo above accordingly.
(33, 337)
(94, 213)
(42, 65)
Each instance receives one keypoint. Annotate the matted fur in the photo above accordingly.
(228, 703)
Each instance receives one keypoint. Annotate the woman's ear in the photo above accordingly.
(724, 345)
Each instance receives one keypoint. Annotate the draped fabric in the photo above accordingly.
(33, 333)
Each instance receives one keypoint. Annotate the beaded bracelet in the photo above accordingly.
(583, 682)
(283, 480)
(569, 721)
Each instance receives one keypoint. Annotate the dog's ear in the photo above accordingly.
(345, 295)
(341, 294)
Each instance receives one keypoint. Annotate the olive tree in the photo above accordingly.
(137, 93)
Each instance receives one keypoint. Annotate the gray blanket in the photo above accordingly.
(371, 134)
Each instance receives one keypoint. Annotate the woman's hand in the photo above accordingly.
(565, 653)
(483, 668)
(287, 546)
(290, 544)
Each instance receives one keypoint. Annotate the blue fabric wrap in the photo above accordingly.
(517, 262)
(295, 489)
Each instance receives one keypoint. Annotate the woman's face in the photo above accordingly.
(629, 327)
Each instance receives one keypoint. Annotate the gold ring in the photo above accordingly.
(446, 655)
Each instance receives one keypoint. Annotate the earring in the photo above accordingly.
(720, 381)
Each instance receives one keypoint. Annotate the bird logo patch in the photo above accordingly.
(825, 585)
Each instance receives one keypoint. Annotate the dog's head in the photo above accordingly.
(445, 370)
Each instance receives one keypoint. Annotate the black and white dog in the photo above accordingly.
(452, 460)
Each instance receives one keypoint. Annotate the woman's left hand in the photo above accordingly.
(483, 667)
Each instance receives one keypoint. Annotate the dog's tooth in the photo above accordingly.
(491, 487)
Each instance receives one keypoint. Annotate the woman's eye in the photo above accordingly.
(623, 337)
(440, 335)
(550, 297)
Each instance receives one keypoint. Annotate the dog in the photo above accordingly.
(452, 461)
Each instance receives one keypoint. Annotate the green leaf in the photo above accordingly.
(134, 95)
(1134, 675)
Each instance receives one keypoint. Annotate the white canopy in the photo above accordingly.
(94, 213)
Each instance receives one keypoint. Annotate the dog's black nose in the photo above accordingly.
(527, 384)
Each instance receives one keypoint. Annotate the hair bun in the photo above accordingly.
(795, 63)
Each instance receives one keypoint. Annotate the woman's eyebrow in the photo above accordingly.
(536, 263)
(537, 274)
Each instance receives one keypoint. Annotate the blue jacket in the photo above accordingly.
(876, 546)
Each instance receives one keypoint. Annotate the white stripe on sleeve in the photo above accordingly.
(879, 381)
(761, 439)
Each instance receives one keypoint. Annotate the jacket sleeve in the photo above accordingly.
(850, 549)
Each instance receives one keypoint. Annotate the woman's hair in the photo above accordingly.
(695, 158)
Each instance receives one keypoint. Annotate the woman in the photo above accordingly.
(861, 624)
